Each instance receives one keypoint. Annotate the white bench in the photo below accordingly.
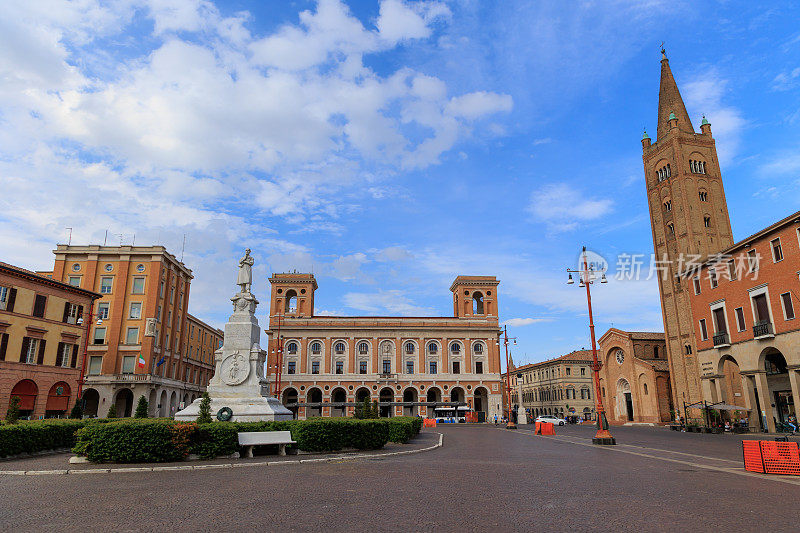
(259, 438)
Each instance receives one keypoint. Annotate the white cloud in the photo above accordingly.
(478, 104)
(393, 254)
(563, 207)
(519, 322)
(786, 81)
(385, 302)
(706, 94)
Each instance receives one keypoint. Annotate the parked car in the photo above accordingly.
(551, 419)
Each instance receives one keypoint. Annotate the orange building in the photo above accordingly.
(745, 303)
(409, 364)
(634, 377)
(140, 331)
(42, 342)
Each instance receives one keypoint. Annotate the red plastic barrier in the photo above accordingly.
(548, 428)
(538, 428)
(429, 423)
(771, 457)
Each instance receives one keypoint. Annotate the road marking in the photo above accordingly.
(738, 471)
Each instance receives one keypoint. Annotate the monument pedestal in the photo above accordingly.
(238, 381)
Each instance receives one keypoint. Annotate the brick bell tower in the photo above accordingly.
(688, 215)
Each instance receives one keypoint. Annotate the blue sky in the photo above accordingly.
(388, 146)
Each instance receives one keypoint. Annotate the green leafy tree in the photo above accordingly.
(112, 411)
(375, 412)
(205, 410)
(77, 411)
(12, 414)
(141, 408)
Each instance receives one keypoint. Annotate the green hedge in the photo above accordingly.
(328, 434)
(37, 436)
(403, 428)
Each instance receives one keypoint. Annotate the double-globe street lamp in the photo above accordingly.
(509, 422)
(587, 276)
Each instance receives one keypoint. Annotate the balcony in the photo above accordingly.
(763, 330)
(387, 376)
(721, 340)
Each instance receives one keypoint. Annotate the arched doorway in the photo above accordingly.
(91, 402)
(57, 400)
(185, 400)
(163, 405)
(314, 396)
(26, 390)
(173, 403)
(624, 407)
(385, 398)
(123, 402)
(362, 394)
(457, 394)
(730, 384)
(481, 403)
(290, 400)
(338, 396)
(780, 390)
(410, 395)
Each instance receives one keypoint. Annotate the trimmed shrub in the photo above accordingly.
(77, 411)
(214, 440)
(112, 411)
(12, 413)
(328, 434)
(403, 428)
(135, 441)
(141, 408)
(37, 436)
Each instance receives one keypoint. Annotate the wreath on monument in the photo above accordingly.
(224, 414)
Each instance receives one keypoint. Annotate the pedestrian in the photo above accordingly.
(495, 419)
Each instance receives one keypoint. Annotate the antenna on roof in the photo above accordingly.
(105, 238)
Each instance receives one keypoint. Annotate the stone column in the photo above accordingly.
(718, 389)
(794, 381)
(765, 400)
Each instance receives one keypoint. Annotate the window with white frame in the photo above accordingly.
(455, 348)
(777, 251)
(740, 323)
(106, 284)
(291, 367)
(432, 367)
(703, 330)
(340, 367)
(363, 348)
(433, 348)
(138, 286)
(102, 310)
(696, 282)
(362, 367)
(316, 347)
(132, 336)
(339, 347)
(99, 336)
(95, 365)
(135, 311)
(477, 349)
(315, 367)
(752, 260)
(788, 308)
(410, 348)
(291, 348)
(409, 367)
(479, 367)
(387, 366)
(712, 277)
(33, 349)
(66, 352)
(128, 364)
(75, 281)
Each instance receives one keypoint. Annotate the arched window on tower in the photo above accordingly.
(670, 230)
(703, 196)
(667, 205)
(477, 304)
(669, 172)
(291, 301)
(707, 221)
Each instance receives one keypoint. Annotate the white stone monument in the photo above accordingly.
(238, 383)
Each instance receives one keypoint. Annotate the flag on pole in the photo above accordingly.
(161, 362)
(141, 361)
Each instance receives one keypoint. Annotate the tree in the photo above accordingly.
(141, 408)
(12, 414)
(376, 412)
(77, 410)
(112, 411)
(205, 410)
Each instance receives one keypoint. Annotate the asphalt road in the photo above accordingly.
(483, 479)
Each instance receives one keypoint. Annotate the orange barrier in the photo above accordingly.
(770, 457)
(538, 428)
(545, 428)
(429, 423)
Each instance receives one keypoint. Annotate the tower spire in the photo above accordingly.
(670, 101)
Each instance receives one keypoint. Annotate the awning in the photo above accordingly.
(727, 407)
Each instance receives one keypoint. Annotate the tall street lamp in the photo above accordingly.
(92, 315)
(510, 424)
(587, 276)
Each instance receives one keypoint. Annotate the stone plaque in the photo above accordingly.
(235, 368)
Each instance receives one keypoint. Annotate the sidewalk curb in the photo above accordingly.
(124, 470)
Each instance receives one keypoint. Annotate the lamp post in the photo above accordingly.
(587, 276)
(278, 358)
(510, 424)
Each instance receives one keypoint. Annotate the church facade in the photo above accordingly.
(325, 365)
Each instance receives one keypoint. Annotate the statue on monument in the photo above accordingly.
(238, 384)
(245, 277)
